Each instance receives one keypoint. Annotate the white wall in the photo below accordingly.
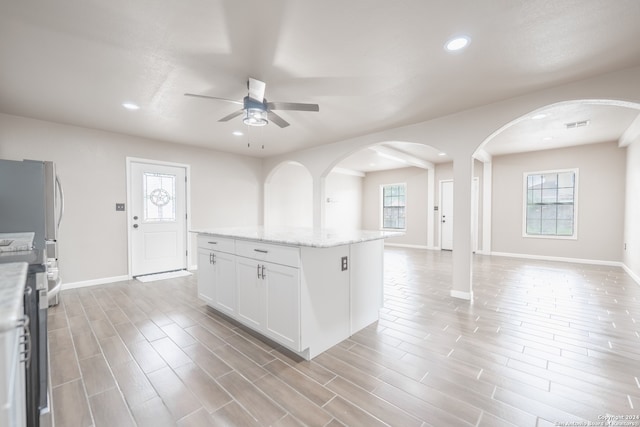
(225, 188)
(631, 256)
(600, 202)
(343, 202)
(289, 197)
(416, 209)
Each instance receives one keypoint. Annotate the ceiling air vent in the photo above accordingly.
(574, 125)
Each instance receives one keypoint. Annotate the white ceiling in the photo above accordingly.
(369, 64)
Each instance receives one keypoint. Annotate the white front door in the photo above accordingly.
(157, 218)
(446, 215)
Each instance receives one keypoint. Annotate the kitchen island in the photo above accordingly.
(305, 289)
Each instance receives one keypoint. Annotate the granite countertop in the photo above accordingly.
(299, 236)
(18, 242)
(13, 277)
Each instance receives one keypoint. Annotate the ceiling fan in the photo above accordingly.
(256, 109)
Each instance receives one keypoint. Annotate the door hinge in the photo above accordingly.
(186, 253)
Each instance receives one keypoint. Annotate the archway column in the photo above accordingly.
(462, 238)
(318, 202)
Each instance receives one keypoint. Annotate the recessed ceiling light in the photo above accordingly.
(442, 153)
(237, 133)
(539, 116)
(130, 106)
(457, 43)
(372, 164)
(547, 138)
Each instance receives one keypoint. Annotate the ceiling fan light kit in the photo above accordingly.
(256, 111)
(255, 117)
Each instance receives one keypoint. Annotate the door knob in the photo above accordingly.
(135, 225)
(135, 217)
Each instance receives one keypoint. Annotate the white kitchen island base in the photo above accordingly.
(306, 290)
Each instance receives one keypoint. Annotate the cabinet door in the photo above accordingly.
(283, 304)
(206, 276)
(225, 282)
(252, 309)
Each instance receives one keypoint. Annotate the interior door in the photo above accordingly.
(158, 218)
(446, 215)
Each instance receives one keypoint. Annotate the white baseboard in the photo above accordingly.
(462, 295)
(633, 275)
(561, 259)
(94, 282)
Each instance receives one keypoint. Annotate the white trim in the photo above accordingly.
(575, 205)
(187, 171)
(462, 295)
(94, 282)
(633, 275)
(431, 192)
(487, 205)
(439, 219)
(475, 212)
(560, 259)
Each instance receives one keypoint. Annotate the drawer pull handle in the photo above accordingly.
(213, 243)
(262, 251)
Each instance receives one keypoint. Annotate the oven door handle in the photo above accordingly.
(43, 300)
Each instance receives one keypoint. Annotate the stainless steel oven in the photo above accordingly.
(37, 384)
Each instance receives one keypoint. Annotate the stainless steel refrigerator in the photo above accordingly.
(32, 200)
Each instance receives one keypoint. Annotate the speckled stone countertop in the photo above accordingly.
(13, 277)
(299, 236)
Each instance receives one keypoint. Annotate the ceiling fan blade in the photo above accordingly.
(213, 97)
(277, 119)
(295, 106)
(231, 116)
(256, 89)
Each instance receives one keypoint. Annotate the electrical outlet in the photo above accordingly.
(344, 263)
(120, 206)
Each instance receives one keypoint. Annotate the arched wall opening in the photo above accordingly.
(288, 196)
(354, 182)
(601, 165)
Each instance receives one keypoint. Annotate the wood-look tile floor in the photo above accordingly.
(543, 344)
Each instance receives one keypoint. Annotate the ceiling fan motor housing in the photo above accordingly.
(253, 104)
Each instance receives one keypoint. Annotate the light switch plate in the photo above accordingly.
(344, 262)
(120, 206)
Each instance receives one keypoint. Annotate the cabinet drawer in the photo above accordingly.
(277, 254)
(215, 243)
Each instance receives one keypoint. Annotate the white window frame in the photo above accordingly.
(525, 175)
(382, 227)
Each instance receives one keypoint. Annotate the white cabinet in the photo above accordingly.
(224, 265)
(206, 275)
(251, 293)
(217, 274)
(269, 298)
(282, 284)
(306, 298)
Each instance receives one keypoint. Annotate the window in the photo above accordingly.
(159, 197)
(393, 206)
(550, 203)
